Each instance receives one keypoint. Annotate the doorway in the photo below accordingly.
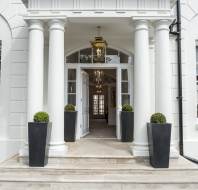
(99, 103)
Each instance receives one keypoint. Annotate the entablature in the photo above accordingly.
(98, 4)
(99, 8)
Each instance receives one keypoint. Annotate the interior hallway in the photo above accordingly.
(100, 129)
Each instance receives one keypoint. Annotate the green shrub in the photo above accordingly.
(70, 107)
(41, 117)
(127, 108)
(158, 118)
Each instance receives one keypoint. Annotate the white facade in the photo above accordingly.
(34, 69)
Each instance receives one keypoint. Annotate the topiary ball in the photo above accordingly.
(70, 107)
(41, 117)
(127, 108)
(158, 118)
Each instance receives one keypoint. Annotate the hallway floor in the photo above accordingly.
(100, 129)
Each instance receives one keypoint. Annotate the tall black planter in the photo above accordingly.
(159, 144)
(38, 138)
(70, 126)
(127, 126)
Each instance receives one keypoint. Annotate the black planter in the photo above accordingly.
(70, 126)
(127, 126)
(38, 139)
(159, 144)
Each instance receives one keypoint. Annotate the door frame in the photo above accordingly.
(118, 67)
(82, 121)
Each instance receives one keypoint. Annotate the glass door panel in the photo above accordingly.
(98, 105)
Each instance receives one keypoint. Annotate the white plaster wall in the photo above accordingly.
(45, 86)
(5, 36)
(13, 80)
(189, 36)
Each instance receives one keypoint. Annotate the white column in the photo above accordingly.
(163, 75)
(56, 87)
(142, 86)
(35, 68)
(35, 74)
(163, 70)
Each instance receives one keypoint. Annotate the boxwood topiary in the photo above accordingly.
(127, 108)
(41, 117)
(158, 118)
(70, 107)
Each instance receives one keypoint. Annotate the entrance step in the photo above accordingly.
(98, 173)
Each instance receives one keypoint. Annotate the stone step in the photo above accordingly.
(140, 176)
(86, 171)
(95, 186)
(100, 163)
(95, 173)
(73, 160)
(56, 179)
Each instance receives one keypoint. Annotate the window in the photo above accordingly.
(98, 104)
(197, 75)
(0, 54)
(87, 55)
(125, 87)
(71, 86)
(197, 64)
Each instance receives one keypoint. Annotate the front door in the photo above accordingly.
(85, 104)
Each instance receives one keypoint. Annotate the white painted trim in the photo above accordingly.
(85, 134)
(79, 67)
(97, 65)
(78, 101)
(118, 101)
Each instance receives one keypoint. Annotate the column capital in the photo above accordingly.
(35, 24)
(141, 25)
(57, 24)
(162, 25)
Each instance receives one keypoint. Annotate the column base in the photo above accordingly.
(58, 150)
(54, 151)
(174, 153)
(24, 152)
(141, 150)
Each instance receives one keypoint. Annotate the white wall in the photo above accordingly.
(5, 36)
(13, 34)
(190, 35)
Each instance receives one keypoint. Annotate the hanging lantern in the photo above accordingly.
(99, 45)
(98, 74)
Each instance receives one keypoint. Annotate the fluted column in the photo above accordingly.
(56, 87)
(35, 68)
(142, 100)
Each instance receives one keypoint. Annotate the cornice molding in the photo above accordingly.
(99, 4)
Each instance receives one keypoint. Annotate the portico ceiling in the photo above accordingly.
(117, 31)
(110, 27)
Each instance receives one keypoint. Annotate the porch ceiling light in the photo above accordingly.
(99, 44)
